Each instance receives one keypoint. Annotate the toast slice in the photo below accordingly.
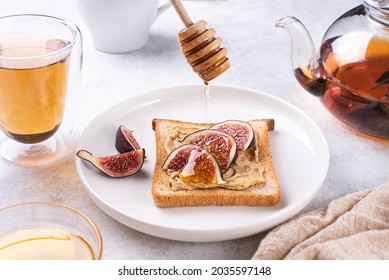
(265, 193)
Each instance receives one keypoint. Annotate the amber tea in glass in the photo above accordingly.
(32, 93)
(40, 61)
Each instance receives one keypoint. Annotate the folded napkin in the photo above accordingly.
(355, 226)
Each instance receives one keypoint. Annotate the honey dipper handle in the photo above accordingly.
(177, 4)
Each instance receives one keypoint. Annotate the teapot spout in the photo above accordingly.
(306, 65)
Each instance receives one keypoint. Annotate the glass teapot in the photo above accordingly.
(351, 73)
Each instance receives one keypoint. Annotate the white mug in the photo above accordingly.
(119, 26)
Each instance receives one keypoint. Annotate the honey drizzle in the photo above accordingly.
(206, 92)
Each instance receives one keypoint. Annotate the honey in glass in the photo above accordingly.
(44, 243)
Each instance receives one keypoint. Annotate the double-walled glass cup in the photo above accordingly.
(40, 65)
(45, 231)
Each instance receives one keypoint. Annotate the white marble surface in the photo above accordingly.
(260, 58)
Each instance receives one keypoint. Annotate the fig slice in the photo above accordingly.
(221, 145)
(178, 158)
(125, 140)
(120, 165)
(194, 165)
(242, 132)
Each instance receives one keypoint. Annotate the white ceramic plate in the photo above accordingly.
(300, 155)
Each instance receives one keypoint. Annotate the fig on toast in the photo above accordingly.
(178, 158)
(220, 144)
(242, 132)
(195, 165)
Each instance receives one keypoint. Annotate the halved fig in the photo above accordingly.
(125, 140)
(178, 158)
(220, 144)
(120, 165)
(195, 165)
(242, 132)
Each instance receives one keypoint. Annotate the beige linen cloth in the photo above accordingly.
(352, 227)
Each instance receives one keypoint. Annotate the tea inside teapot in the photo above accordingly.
(351, 74)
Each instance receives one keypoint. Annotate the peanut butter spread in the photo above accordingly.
(244, 173)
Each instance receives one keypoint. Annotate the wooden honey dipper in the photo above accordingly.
(201, 49)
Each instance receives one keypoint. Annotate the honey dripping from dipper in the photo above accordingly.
(202, 50)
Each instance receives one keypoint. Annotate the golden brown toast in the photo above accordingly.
(266, 193)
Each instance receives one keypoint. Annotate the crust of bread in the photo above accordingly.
(265, 194)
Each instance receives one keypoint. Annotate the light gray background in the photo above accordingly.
(260, 58)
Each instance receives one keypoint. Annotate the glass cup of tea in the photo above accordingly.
(47, 231)
(40, 65)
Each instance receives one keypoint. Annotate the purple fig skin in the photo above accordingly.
(120, 165)
(125, 140)
(242, 132)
